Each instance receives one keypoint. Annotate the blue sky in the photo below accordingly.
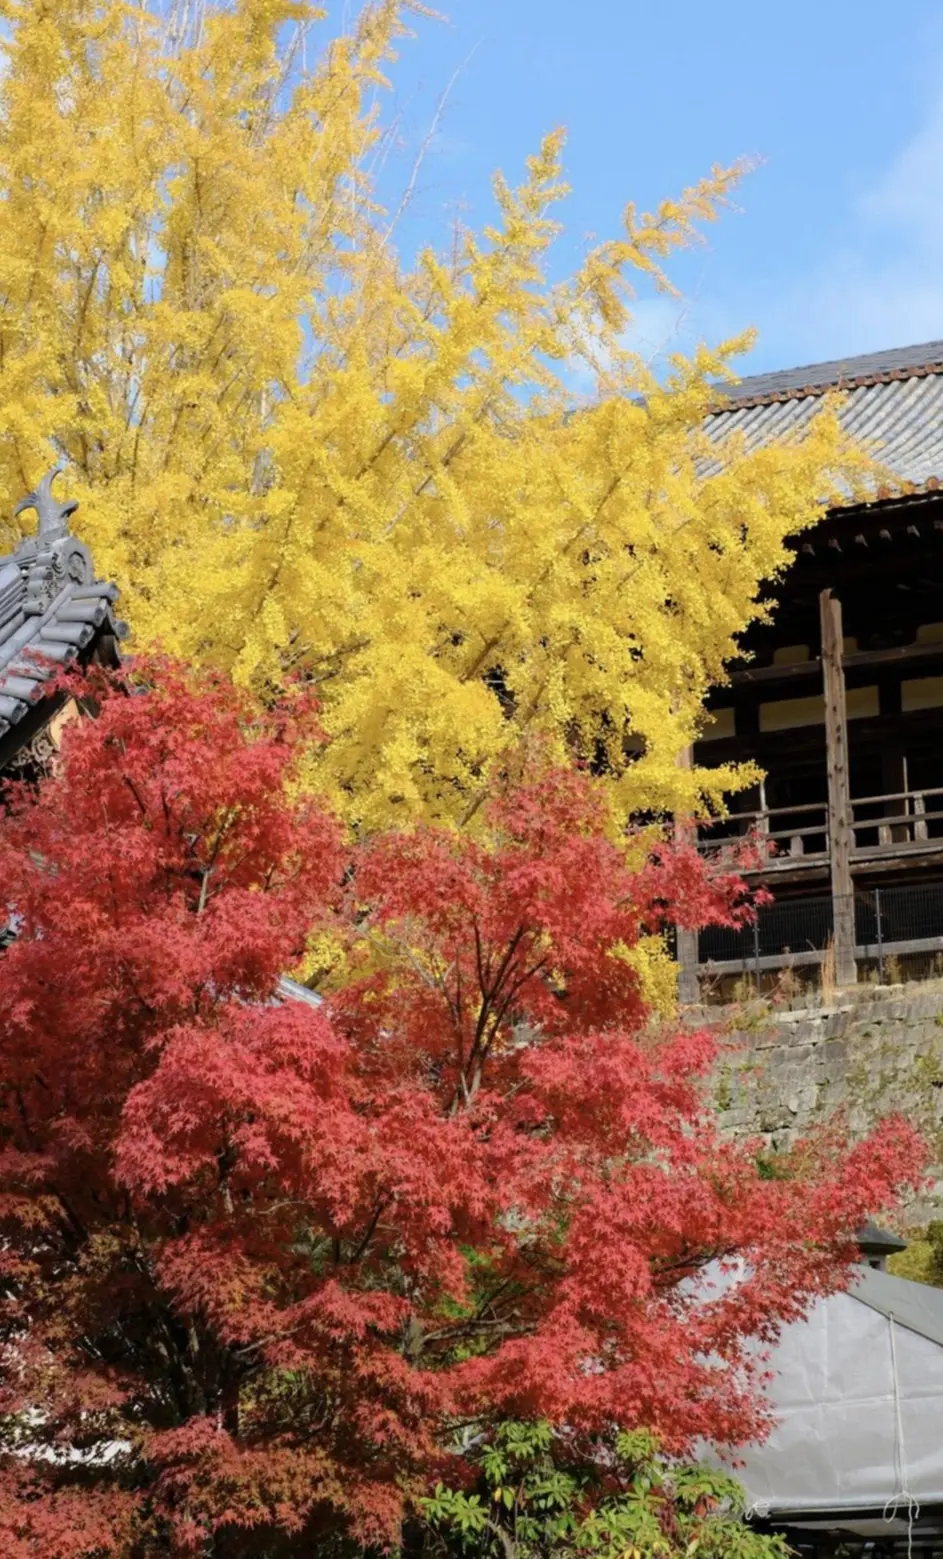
(837, 246)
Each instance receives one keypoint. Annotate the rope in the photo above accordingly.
(903, 1495)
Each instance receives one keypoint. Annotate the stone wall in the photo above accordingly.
(868, 1052)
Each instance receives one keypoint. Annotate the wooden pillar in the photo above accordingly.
(840, 834)
(689, 991)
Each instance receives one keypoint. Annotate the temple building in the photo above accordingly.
(839, 699)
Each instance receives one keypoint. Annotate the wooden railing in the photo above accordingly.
(788, 832)
(901, 821)
(905, 818)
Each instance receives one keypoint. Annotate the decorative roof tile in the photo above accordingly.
(53, 610)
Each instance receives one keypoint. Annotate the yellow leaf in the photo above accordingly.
(296, 452)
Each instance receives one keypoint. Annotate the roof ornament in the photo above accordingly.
(53, 516)
(53, 557)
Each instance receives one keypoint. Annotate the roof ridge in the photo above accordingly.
(916, 1306)
(736, 400)
(816, 379)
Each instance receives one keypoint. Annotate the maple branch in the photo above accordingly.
(491, 992)
(479, 956)
(490, 1298)
(24, 1117)
(505, 964)
(475, 1326)
(142, 1001)
(80, 1231)
(486, 1017)
(360, 1252)
(501, 1013)
(135, 793)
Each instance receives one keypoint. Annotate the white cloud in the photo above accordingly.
(880, 286)
(883, 286)
(909, 196)
(662, 325)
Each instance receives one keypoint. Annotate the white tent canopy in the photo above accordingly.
(857, 1390)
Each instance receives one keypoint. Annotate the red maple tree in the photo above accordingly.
(259, 1258)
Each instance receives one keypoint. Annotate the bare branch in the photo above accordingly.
(427, 141)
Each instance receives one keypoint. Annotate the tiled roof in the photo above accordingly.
(892, 402)
(900, 362)
(52, 608)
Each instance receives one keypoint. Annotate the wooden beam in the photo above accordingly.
(778, 673)
(841, 837)
(862, 660)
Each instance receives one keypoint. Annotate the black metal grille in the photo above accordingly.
(898, 935)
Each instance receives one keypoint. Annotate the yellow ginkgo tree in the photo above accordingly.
(297, 451)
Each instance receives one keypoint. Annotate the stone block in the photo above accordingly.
(869, 1053)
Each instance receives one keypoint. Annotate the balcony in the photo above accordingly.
(893, 931)
(795, 838)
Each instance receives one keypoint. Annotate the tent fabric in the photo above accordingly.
(914, 1305)
(857, 1392)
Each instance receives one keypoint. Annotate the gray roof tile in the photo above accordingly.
(52, 608)
(892, 402)
(814, 377)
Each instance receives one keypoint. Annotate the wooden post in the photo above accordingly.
(689, 991)
(840, 833)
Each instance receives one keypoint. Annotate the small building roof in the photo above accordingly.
(873, 1241)
(856, 1392)
(917, 1306)
(893, 403)
(53, 610)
